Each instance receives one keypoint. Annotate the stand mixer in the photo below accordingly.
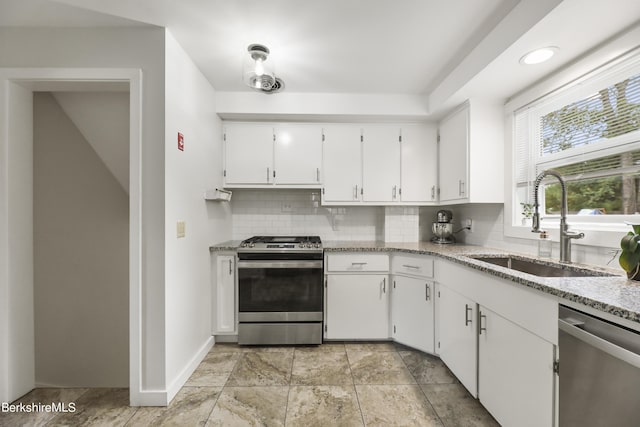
(443, 228)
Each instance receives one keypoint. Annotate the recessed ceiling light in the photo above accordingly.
(539, 55)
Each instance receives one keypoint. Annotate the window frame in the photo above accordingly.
(561, 90)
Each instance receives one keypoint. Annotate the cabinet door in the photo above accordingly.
(419, 163)
(457, 336)
(381, 164)
(454, 134)
(298, 155)
(248, 154)
(412, 312)
(516, 378)
(357, 307)
(224, 307)
(342, 164)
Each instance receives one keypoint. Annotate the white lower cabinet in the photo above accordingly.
(224, 295)
(515, 370)
(357, 307)
(457, 336)
(500, 340)
(412, 312)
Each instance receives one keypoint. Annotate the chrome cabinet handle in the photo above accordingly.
(467, 319)
(460, 187)
(318, 174)
(393, 192)
(427, 292)
(384, 285)
(482, 328)
(268, 174)
(410, 266)
(433, 192)
(355, 194)
(359, 263)
(230, 268)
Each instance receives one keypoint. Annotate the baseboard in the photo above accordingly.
(148, 398)
(184, 375)
(226, 338)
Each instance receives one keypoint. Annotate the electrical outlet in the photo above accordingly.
(286, 207)
(180, 229)
(469, 224)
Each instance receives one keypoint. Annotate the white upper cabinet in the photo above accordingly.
(258, 155)
(419, 163)
(342, 164)
(298, 155)
(454, 131)
(248, 154)
(471, 154)
(381, 164)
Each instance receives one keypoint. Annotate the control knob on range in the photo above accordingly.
(317, 245)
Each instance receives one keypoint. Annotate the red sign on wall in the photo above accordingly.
(180, 141)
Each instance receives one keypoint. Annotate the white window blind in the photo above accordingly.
(590, 133)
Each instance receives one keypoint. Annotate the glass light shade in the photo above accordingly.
(258, 73)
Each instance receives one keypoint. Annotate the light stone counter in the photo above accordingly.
(613, 294)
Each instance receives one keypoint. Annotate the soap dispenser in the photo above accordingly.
(544, 245)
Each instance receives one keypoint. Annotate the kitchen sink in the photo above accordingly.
(539, 268)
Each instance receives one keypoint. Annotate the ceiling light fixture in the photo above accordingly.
(257, 73)
(539, 55)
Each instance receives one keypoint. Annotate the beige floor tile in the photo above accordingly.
(190, 407)
(378, 368)
(98, 407)
(214, 370)
(427, 369)
(262, 369)
(321, 406)
(268, 349)
(369, 346)
(226, 347)
(321, 368)
(395, 405)
(250, 406)
(327, 347)
(42, 396)
(456, 407)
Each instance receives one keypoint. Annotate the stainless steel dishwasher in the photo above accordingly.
(599, 372)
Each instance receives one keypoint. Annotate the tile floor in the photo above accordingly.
(335, 384)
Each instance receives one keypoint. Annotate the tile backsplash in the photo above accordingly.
(298, 212)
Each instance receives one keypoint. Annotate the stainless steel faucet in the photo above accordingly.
(565, 234)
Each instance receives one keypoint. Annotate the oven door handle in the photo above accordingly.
(279, 264)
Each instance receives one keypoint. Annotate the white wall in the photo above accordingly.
(81, 258)
(141, 48)
(190, 110)
(16, 243)
(294, 212)
(103, 119)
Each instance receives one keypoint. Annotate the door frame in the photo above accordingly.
(9, 312)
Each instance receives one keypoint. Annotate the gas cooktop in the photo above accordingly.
(281, 243)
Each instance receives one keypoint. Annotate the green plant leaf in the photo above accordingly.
(629, 260)
(629, 242)
(636, 227)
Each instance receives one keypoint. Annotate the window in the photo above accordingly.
(589, 133)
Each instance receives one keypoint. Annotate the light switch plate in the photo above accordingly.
(180, 226)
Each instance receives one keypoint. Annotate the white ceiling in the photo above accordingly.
(440, 49)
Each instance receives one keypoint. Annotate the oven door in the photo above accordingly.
(280, 290)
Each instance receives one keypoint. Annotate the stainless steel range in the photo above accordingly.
(280, 290)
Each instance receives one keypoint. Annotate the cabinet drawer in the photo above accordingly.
(413, 265)
(356, 262)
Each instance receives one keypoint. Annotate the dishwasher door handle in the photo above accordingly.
(600, 343)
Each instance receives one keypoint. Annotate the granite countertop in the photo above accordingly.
(613, 294)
